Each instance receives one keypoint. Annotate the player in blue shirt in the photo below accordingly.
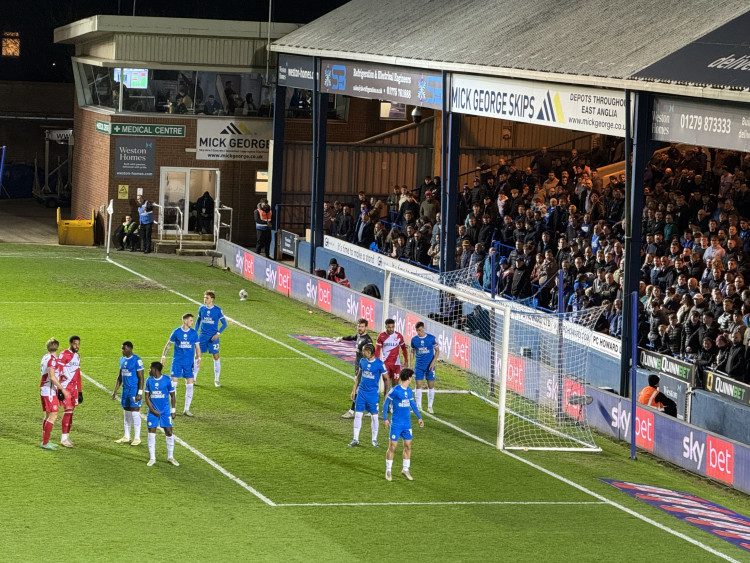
(366, 392)
(425, 353)
(187, 352)
(130, 377)
(161, 396)
(400, 424)
(211, 323)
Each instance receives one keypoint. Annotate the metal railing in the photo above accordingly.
(219, 224)
(161, 222)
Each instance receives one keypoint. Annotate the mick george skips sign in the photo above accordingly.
(233, 139)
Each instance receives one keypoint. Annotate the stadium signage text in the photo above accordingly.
(411, 86)
(722, 125)
(728, 388)
(373, 258)
(296, 71)
(541, 103)
(243, 140)
(667, 366)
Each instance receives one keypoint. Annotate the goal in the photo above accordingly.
(531, 366)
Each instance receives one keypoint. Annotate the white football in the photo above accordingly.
(243, 294)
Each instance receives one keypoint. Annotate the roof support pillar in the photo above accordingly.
(319, 121)
(449, 148)
(642, 149)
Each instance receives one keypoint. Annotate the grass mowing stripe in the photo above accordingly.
(518, 458)
(444, 503)
(190, 448)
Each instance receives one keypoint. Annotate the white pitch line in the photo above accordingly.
(156, 358)
(88, 303)
(208, 460)
(462, 431)
(445, 503)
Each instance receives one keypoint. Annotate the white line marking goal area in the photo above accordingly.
(552, 474)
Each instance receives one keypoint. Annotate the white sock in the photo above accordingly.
(374, 427)
(126, 423)
(152, 445)
(430, 397)
(196, 369)
(136, 425)
(64, 437)
(170, 447)
(188, 395)
(407, 463)
(419, 398)
(176, 387)
(388, 464)
(217, 369)
(357, 425)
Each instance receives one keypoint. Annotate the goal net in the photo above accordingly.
(532, 366)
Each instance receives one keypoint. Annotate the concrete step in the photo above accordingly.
(189, 247)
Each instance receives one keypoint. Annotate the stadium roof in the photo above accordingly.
(614, 44)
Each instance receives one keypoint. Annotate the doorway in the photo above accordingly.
(184, 189)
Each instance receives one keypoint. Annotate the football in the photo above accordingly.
(243, 295)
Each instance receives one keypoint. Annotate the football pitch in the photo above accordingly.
(265, 471)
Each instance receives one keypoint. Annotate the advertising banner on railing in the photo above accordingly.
(542, 103)
(728, 388)
(376, 259)
(667, 365)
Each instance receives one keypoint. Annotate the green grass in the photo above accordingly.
(275, 425)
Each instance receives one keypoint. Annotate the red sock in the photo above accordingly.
(67, 422)
(46, 431)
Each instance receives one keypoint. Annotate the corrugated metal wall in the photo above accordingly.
(190, 50)
(350, 168)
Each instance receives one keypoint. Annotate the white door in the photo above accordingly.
(180, 191)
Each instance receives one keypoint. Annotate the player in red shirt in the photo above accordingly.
(49, 387)
(70, 378)
(392, 344)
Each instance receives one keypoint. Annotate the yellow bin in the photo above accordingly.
(75, 232)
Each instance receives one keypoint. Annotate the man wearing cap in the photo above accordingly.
(652, 397)
(336, 273)
(429, 207)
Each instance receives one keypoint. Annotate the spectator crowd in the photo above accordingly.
(517, 228)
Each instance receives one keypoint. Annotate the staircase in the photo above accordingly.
(193, 244)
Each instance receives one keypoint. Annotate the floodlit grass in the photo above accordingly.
(275, 426)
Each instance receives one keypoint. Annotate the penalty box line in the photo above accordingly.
(205, 458)
(444, 503)
(468, 434)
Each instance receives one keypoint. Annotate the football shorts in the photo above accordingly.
(399, 433)
(420, 374)
(71, 401)
(394, 372)
(50, 404)
(185, 371)
(127, 400)
(209, 345)
(163, 421)
(367, 402)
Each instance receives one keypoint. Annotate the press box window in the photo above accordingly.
(11, 44)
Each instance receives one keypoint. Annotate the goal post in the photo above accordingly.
(513, 357)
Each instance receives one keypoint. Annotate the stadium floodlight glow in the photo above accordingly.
(531, 366)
